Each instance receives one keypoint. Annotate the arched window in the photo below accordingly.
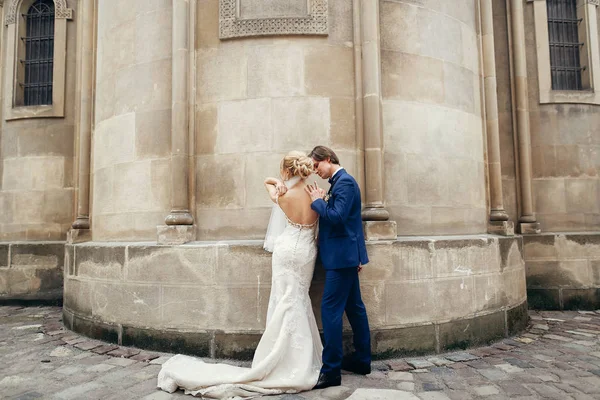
(39, 53)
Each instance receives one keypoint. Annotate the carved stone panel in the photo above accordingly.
(241, 18)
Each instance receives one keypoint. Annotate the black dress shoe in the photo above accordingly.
(327, 380)
(350, 365)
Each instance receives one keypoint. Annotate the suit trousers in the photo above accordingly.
(342, 293)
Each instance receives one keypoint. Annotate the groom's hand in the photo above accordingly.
(315, 192)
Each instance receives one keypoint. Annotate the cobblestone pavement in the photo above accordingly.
(557, 358)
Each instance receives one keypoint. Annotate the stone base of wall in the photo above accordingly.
(31, 271)
(563, 270)
(423, 294)
(385, 343)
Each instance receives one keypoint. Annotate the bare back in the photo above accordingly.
(295, 203)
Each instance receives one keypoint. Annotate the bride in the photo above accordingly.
(288, 356)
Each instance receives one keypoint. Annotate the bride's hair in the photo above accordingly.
(297, 163)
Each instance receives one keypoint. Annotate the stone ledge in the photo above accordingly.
(386, 343)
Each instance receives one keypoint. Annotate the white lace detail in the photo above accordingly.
(288, 357)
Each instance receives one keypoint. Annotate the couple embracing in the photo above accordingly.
(290, 357)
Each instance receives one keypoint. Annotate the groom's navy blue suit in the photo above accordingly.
(341, 250)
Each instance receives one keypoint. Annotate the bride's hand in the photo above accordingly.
(281, 188)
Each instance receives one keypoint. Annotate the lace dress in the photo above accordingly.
(288, 356)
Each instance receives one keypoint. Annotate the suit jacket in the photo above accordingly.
(341, 238)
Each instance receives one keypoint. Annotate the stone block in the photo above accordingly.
(26, 206)
(230, 308)
(79, 236)
(206, 128)
(143, 87)
(245, 124)
(395, 178)
(222, 74)
(380, 230)
(543, 299)
(403, 134)
(441, 37)
(153, 35)
(489, 292)
(275, 71)
(426, 184)
(517, 319)
(77, 296)
(460, 86)
(340, 23)
(581, 299)
(416, 340)
(461, 334)
(397, 78)
(133, 181)
(553, 274)
(33, 173)
(38, 255)
(329, 71)
(374, 296)
(256, 168)
(96, 329)
(239, 264)
(415, 260)
(540, 247)
(239, 346)
(503, 228)
(153, 134)
(114, 141)
(580, 195)
(175, 234)
(453, 297)
(382, 260)
(410, 302)
(514, 286)
(193, 343)
(4, 255)
(55, 139)
(300, 120)
(115, 302)
(532, 228)
(165, 264)
(549, 196)
(411, 220)
(105, 262)
(226, 224)
(220, 182)
(207, 26)
(102, 196)
(399, 26)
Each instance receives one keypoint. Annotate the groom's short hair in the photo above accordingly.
(320, 153)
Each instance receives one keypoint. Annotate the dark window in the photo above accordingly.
(39, 53)
(563, 29)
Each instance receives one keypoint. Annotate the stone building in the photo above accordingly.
(135, 136)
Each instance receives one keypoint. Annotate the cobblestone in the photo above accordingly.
(39, 359)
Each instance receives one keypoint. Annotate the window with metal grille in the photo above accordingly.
(565, 58)
(39, 53)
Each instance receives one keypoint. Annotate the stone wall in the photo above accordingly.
(565, 145)
(256, 100)
(132, 140)
(432, 118)
(31, 271)
(563, 271)
(37, 161)
(422, 295)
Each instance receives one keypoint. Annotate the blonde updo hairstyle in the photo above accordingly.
(297, 163)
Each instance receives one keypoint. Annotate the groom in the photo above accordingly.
(343, 253)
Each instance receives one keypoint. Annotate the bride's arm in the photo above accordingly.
(275, 188)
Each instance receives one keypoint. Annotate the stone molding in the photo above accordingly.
(594, 2)
(61, 11)
(232, 26)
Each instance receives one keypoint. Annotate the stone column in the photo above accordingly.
(86, 28)
(375, 216)
(179, 227)
(527, 220)
(498, 217)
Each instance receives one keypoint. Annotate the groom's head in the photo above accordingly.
(326, 161)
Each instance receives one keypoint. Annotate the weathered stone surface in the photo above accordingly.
(381, 394)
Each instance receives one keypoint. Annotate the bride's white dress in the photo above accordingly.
(288, 356)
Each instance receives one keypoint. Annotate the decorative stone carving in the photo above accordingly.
(61, 11)
(232, 26)
(594, 2)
